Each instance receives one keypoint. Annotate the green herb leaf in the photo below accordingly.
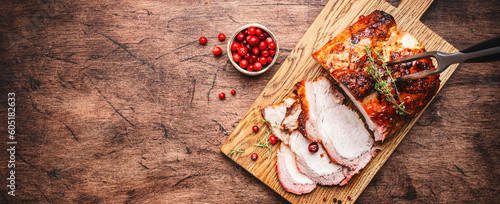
(472, 30)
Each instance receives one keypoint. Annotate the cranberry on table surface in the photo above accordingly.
(257, 66)
(235, 46)
(243, 63)
(313, 147)
(272, 139)
(222, 95)
(254, 156)
(222, 37)
(217, 51)
(203, 40)
(233, 92)
(255, 129)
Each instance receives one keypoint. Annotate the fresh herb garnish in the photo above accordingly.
(383, 86)
(472, 30)
(236, 151)
(266, 145)
(264, 120)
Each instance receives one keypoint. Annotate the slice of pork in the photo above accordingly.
(318, 166)
(274, 114)
(290, 177)
(339, 129)
(290, 122)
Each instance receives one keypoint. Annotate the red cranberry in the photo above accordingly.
(257, 66)
(217, 51)
(263, 60)
(349, 198)
(248, 37)
(262, 36)
(247, 56)
(272, 46)
(255, 51)
(235, 46)
(254, 58)
(240, 36)
(361, 17)
(269, 59)
(262, 45)
(272, 52)
(236, 57)
(253, 41)
(233, 92)
(250, 68)
(254, 156)
(324, 198)
(246, 32)
(258, 31)
(251, 31)
(255, 129)
(242, 51)
(249, 48)
(264, 53)
(203, 40)
(269, 40)
(222, 37)
(222, 95)
(272, 139)
(243, 63)
(244, 43)
(313, 147)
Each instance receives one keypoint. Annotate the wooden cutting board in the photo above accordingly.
(334, 18)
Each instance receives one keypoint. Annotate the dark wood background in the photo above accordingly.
(118, 102)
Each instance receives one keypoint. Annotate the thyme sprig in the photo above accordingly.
(383, 86)
(236, 151)
(266, 144)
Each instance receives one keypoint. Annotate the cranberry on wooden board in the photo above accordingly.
(361, 17)
(254, 156)
(222, 37)
(233, 92)
(217, 51)
(203, 40)
(255, 129)
(272, 139)
(313, 147)
(324, 198)
(222, 95)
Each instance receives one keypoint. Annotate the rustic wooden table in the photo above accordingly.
(116, 101)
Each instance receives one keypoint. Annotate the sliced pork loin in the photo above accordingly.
(290, 122)
(318, 166)
(274, 114)
(339, 129)
(290, 177)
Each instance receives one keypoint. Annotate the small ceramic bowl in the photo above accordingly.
(236, 65)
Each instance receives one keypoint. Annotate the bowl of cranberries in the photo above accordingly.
(253, 49)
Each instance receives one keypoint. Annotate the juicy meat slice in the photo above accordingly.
(274, 114)
(339, 129)
(290, 122)
(345, 59)
(290, 177)
(318, 166)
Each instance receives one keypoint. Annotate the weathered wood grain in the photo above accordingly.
(98, 125)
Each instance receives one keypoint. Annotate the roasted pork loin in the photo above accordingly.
(274, 115)
(289, 175)
(346, 60)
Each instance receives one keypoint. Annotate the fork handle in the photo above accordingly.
(479, 53)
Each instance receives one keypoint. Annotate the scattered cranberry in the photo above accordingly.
(236, 57)
(254, 156)
(361, 17)
(324, 198)
(258, 31)
(313, 147)
(255, 129)
(349, 198)
(203, 40)
(263, 60)
(222, 95)
(222, 37)
(253, 41)
(257, 66)
(269, 40)
(255, 51)
(243, 63)
(217, 51)
(272, 46)
(251, 31)
(242, 51)
(240, 37)
(235, 46)
(233, 92)
(272, 139)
